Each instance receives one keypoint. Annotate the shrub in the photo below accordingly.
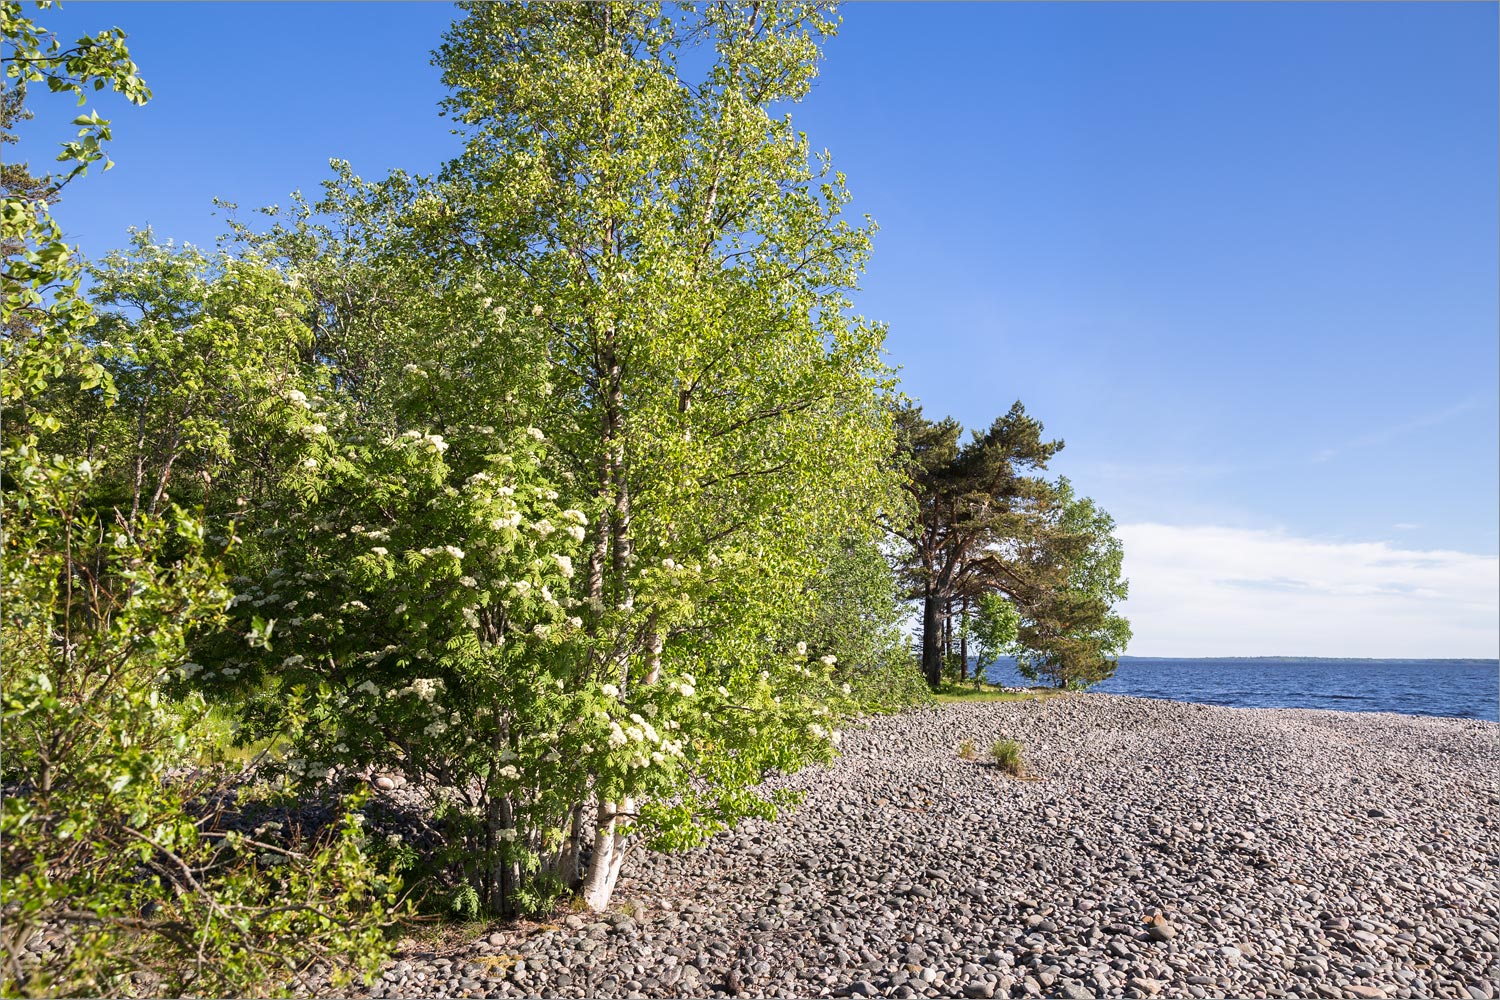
(967, 751)
(108, 838)
(1008, 757)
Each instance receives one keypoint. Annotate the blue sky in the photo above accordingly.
(1243, 258)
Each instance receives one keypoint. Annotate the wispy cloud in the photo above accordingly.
(1386, 435)
(1217, 591)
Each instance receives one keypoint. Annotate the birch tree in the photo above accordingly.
(597, 410)
(687, 268)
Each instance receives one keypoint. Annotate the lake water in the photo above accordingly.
(1468, 689)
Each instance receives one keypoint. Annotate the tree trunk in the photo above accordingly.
(609, 854)
(963, 641)
(567, 865)
(932, 638)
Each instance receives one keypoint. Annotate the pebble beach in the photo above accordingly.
(1153, 848)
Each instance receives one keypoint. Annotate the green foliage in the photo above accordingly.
(42, 316)
(967, 751)
(595, 418)
(855, 616)
(1009, 757)
(994, 628)
(1072, 636)
(979, 504)
(465, 904)
(110, 838)
(201, 350)
(104, 834)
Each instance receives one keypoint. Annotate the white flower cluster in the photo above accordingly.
(564, 565)
(425, 688)
(299, 397)
(513, 521)
(642, 732)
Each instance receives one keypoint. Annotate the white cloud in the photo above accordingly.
(1214, 591)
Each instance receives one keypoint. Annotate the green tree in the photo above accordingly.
(652, 276)
(856, 618)
(977, 504)
(106, 835)
(1073, 637)
(995, 628)
(200, 351)
(689, 269)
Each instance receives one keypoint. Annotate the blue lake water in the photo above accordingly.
(1468, 689)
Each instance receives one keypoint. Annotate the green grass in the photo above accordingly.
(954, 693)
(1008, 757)
(220, 725)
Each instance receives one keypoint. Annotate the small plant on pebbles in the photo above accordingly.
(1008, 757)
(967, 751)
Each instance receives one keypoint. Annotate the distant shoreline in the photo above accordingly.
(1455, 660)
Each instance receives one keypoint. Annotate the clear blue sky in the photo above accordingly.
(1243, 258)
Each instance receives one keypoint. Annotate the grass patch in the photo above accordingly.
(966, 750)
(220, 725)
(950, 694)
(1008, 757)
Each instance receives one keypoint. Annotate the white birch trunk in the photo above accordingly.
(609, 855)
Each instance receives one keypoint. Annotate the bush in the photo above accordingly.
(111, 840)
(1008, 757)
(893, 684)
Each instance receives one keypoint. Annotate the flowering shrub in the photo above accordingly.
(106, 838)
(110, 856)
(415, 604)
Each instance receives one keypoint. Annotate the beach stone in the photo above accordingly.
(1040, 888)
(1161, 931)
